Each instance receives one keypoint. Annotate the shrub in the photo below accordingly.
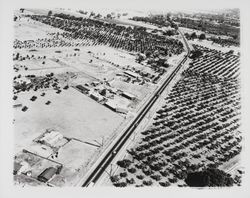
(124, 163)
(140, 177)
(130, 181)
(121, 184)
(132, 170)
(114, 178)
(123, 174)
(209, 177)
(156, 177)
(147, 182)
(164, 184)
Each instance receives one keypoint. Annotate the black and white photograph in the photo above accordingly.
(119, 96)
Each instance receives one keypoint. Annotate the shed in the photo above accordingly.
(132, 74)
(128, 96)
(95, 96)
(121, 110)
(83, 89)
(47, 174)
(110, 104)
(17, 167)
(17, 104)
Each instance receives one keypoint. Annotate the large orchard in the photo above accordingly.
(198, 126)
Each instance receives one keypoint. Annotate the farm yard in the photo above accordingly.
(86, 85)
(196, 129)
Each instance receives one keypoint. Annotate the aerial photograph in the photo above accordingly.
(126, 98)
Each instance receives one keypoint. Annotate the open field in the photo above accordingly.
(75, 153)
(28, 29)
(80, 117)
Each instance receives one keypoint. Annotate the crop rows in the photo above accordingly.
(198, 127)
(92, 32)
(216, 63)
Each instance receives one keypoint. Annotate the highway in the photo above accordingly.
(110, 155)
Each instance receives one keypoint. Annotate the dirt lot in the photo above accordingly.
(70, 112)
(28, 29)
(75, 153)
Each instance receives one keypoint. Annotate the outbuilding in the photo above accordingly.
(17, 167)
(121, 110)
(95, 96)
(111, 105)
(132, 74)
(47, 174)
(128, 95)
(83, 89)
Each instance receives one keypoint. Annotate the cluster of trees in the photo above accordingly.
(196, 54)
(209, 178)
(98, 32)
(233, 41)
(192, 36)
(226, 42)
(170, 32)
(159, 20)
(36, 82)
(67, 16)
(221, 29)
